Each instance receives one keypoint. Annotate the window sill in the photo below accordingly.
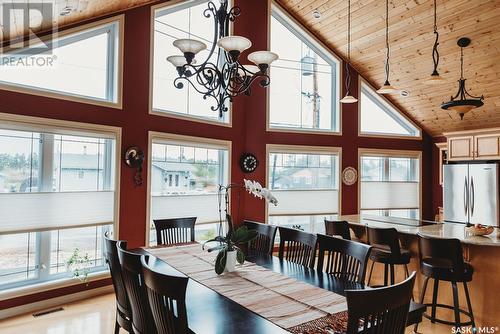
(50, 285)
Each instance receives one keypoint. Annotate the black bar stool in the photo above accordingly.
(386, 250)
(442, 260)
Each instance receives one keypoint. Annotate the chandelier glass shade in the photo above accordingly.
(463, 102)
(225, 78)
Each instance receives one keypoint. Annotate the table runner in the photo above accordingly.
(296, 306)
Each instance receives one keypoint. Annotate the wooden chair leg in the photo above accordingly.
(371, 271)
(469, 305)
(434, 300)
(392, 274)
(422, 297)
(386, 273)
(407, 272)
(456, 304)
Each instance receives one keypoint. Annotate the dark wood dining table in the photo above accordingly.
(212, 313)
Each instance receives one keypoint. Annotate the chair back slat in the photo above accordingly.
(174, 230)
(111, 258)
(344, 259)
(338, 228)
(297, 246)
(381, 310)
(385, 238)
(133, 278)
(264, 242)
(442, 249)
(167, 297)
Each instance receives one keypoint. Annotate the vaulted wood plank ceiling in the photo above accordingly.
(411, 40)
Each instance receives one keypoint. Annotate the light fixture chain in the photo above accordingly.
(387, 40)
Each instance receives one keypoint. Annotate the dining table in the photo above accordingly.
(210, 312)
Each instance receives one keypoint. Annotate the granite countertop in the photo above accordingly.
(430, 228)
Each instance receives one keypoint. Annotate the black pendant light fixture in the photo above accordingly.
(348, 98)
(387, 88)
(435, 78)
(463, 102)
(227, 77)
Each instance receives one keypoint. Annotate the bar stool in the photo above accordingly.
(442, 260)
(386, 250)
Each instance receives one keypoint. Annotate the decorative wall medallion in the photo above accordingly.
(349, 176)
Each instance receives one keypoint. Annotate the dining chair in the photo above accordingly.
(123, 310)
(297, 246)
(174, 230)
(338, 227)
(133, 277)
(380, 310)
(387, 250)
(264, 243)
(344, 259)
(167, 297)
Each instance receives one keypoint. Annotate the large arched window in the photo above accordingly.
(303, 93)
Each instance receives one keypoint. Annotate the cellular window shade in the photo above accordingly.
(389, 195)
(297, 202)
(23, 212)
(204, 207)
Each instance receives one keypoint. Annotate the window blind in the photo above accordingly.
(23, 212)
(380, 195)
(297, 202)
(204, 207)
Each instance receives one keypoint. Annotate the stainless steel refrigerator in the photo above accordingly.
(471, 193)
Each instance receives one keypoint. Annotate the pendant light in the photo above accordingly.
(348, 98)
(463, 102)
(435, 78)
(387, 88)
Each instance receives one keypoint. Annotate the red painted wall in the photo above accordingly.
(248, 133)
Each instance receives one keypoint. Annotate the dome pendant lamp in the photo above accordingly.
(387, 88)
(348, 98)
(463, 102)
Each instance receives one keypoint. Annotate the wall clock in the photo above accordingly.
(248, 162)
(349, 176)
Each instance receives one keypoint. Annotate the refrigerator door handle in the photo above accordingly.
(472, 196)
(466, 197)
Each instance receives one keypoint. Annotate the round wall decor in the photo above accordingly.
(349, 176)
(248, 162)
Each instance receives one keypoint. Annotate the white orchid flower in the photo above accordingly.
(256, 189)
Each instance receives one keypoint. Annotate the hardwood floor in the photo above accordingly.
(97, 316)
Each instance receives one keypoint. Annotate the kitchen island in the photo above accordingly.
(482, 252)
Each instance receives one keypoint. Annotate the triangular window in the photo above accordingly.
(378, 117)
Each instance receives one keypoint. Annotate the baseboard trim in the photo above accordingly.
(53, 302)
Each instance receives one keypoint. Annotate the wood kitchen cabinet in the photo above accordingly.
(474, 145)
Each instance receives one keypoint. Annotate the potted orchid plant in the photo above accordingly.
(227, 244)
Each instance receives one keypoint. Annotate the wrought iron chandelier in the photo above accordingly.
(348, 98)
(435, 78)
(463, 102)
(387, 88)
(226, 78)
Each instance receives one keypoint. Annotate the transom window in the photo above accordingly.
(380, 118)
(304, 81)
(186, 175)
(390, 184)
(83, 65)
(57, 197)
(301, 175)
(173, 22)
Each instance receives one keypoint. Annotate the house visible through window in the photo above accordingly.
(84, 65)
(195, 172)
(56, 195)
(304, 81)
(310, 177)
(390, 184)
(184, 20)
(379, 117)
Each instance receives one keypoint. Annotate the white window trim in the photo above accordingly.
(298, 29)
(391, 154)
(170, 138)
(19, 122)
(172, 114)
(383, 100)
(115, 78)
(302, 149)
